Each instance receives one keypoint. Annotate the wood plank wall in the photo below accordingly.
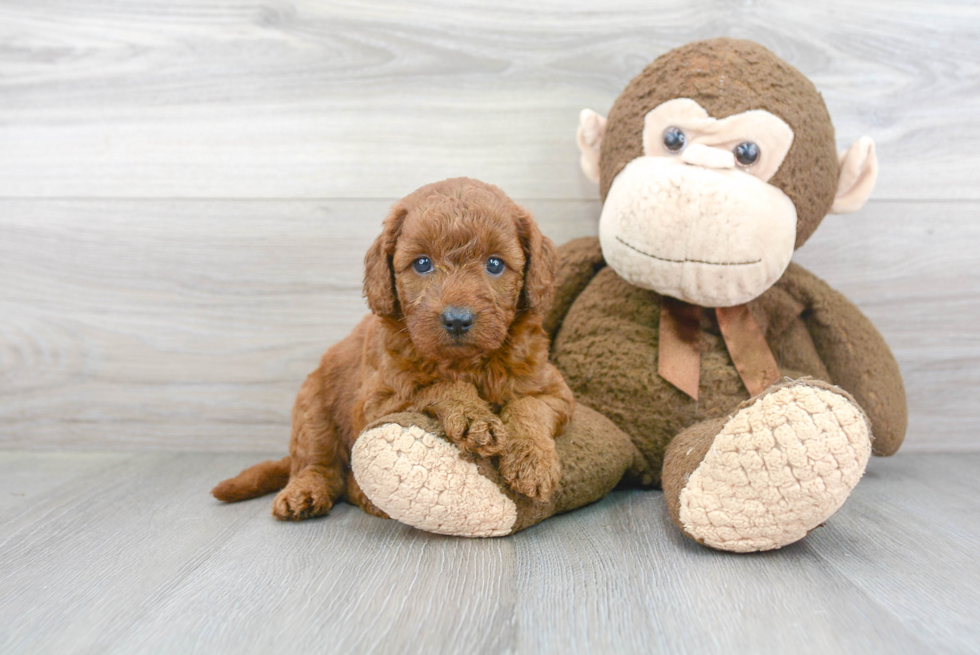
(187, 187)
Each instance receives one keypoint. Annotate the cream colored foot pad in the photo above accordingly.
(778, 469)
(420, 480)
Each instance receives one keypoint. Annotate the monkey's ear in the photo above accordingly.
(591, 128)
(858, 172)
(379, 274)
(540, 260)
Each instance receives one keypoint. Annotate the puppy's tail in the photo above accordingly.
(254, 481)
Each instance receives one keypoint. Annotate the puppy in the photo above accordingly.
(458, 282)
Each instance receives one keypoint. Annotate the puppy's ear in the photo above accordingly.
(540, 260)
(379, 274)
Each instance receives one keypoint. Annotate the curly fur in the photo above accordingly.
(492, 388)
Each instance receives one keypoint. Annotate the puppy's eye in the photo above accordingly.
(746, 154)
(495, 266)
(674, 140)
(422, 265)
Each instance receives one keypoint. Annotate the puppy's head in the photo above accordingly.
(458, 262)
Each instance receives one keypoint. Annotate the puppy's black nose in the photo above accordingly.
(457, 321)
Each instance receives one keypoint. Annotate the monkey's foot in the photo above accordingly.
(774, 470)
(422, 480)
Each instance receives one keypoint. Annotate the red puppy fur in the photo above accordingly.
(458, 282)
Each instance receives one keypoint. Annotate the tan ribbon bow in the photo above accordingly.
(680, 346)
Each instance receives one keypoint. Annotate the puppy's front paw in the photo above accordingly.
(531, 469)
(476, 430)
(303, 498)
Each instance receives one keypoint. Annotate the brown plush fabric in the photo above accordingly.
(607, 349)
(580, 260)
(594, 455)
(726, 77)
(688, 449)
(855, 355)
(682, 458)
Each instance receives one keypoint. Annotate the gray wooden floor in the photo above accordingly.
(127, 553)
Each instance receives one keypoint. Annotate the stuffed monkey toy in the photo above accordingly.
(703, 361)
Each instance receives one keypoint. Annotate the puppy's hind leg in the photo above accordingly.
(317, 473)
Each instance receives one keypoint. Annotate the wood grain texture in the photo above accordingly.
(911, 513)
(364, 99)
(191, 324)
(26, 475)
(139, 559)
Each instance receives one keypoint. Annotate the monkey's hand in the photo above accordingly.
(855, 354)
(578, 262)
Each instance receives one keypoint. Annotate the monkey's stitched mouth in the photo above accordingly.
(684, 261)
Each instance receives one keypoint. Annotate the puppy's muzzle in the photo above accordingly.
(457, 321)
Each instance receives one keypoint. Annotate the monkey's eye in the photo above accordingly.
(494, 266)
(674, 139)
(746, 154)
(422, 265)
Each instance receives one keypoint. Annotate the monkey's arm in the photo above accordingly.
(855, 354)
(578, 262)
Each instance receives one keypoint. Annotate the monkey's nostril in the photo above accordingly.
(457, 321)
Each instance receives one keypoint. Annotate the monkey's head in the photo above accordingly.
(714, 165)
